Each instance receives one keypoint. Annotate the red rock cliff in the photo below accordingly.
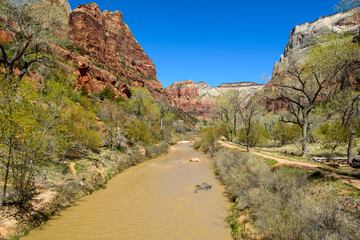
(111, 48)
(199, 99)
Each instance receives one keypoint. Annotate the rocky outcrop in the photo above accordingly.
(103, 49)
(305, 35)
(109, 47)
(199, 99)
(302, 36)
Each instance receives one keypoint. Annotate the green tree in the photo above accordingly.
(320, 76)
(107, 93)
(143, 125)
(114, 118)
(254, 136)
(229, 106)
(166, 116)
(21, 142)
(30, 29)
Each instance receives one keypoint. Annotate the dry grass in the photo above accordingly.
(285, 202)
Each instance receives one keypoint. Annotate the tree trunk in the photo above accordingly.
(248, 142)
(6, 175)
(304, 142)
(235, 140)
(350, 147)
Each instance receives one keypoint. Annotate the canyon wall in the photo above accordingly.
(108, 44)
(199, 99)
(303, 36)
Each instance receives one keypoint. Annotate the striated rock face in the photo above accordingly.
(199, 99)
(303, 36)
(111, 47)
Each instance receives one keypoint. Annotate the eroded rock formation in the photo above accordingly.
(112, 55)
(199, 99)
(303, 36)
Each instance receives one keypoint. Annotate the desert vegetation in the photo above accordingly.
(67, 142)
(55, 137)
(284, 202)
(320, 104)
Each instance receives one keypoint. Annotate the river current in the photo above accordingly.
(154, 200)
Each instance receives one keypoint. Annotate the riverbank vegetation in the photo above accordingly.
(57, 143)
(285, 202)
(309, 109)
(282, 202)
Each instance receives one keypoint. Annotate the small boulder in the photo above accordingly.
(203, 186)
(194, 160)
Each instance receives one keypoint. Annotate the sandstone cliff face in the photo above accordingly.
(199, 99)
(303, 36)
(109, 44)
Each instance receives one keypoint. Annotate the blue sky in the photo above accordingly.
(214, 41)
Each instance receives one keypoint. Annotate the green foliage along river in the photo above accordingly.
(154, 200)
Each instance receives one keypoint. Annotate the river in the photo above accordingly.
(154, 200)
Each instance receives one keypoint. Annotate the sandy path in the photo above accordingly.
(306, 166)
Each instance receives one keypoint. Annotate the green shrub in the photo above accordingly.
(207, 141)
(84, 90)
(155, 150)
(332, 135)
(286, 132)
(107, 93)
(283, 202)
(258, 135)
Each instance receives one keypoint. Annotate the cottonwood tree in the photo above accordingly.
(166, 116)
(164, 109)
(114, 118)
(247, 114)
(305, 83)
(229, 107)
(29, 31)
(21, 141)
(30, 26)
(341, 112)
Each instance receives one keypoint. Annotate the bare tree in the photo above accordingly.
(229, 107)
(247, 114)
(114, 118)
(164, 108)
(304, 83)
(30, 26)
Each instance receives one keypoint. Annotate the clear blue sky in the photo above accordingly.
(215, 41)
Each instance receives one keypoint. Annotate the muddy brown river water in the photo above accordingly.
(154, 200)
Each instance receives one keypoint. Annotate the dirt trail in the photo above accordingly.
(306, 166)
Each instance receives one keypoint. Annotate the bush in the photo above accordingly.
(258, 135)
(107, 93)
(285, 133)
(207, 141)
(155, 150)
(283, 202)
(332, 135)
